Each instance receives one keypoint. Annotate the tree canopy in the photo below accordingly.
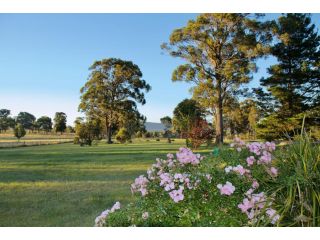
(294, 80)
(220, 51)
(44, 123)
(27, 120)
(114, 87)
(60, 122)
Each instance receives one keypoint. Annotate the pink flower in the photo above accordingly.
(245, 205)
(238, 149)
(228, 169)
(101, 219)
(254, 147)
(241, 170)
(177, 195)
(249, 192)
(170, 156)
(209, 177)
(169, 186)
(250, 160)
(270, 146)
(274, 171)
(116, 206)
(143, 192)
(255, 184)
(185, 156)
(179, 176)
(140, 185)
(272, 214)
(265, 158)
(145, 215)
(226, 189)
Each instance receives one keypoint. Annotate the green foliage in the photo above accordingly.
(167, 122)
(19, 131)
(132, 121)
(70, 129)
(113, 89)
(123, 135)
(139, 134)
(5, 120)
(87, 131)
(202, 207)
(294, 80)
(273, 127)
(298, 184)
(60, 122)
(276, 126)
(44, 123)
(185, 115)
(220, 50)
(27, 120)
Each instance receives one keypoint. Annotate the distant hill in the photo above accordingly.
(153, 127)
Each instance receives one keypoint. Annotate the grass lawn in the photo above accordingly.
(69, 185)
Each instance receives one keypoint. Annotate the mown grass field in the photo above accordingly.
(69, 185)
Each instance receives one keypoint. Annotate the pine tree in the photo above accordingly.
(295, 80)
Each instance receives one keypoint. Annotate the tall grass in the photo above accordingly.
(298, 189)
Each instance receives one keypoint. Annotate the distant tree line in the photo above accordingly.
(26, 121)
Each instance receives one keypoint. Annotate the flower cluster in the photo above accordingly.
(262, 155)
(177, 195)
(179, 175)
(140, 185)
(186, 156)
(254, 204)
(237, 169)
(165, 173)
(101, 219)
(226, 189)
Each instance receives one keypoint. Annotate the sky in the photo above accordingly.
(44, 59)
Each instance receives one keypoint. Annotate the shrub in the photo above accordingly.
(138, 134)
(19, 131)
(76, 140)
(200, 133)
(84, 134)
(122, 135)
(188, 189)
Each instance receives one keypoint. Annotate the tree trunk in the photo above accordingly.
(219, 119)
(109, 133)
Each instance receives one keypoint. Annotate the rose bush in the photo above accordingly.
(187, 189)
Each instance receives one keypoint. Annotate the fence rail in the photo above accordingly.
(32, 143)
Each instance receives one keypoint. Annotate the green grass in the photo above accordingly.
(68, 185)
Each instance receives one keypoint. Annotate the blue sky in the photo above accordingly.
(44, 59)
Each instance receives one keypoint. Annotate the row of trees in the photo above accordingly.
(220, 51)
(29, 122)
